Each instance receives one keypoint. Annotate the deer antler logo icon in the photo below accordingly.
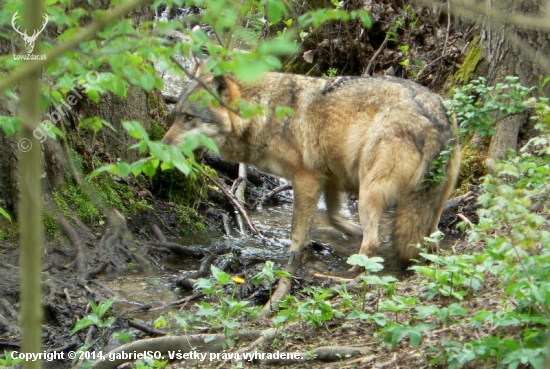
(29, 40)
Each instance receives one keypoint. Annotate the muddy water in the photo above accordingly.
(274, 223)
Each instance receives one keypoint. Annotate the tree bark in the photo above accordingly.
(510, 50)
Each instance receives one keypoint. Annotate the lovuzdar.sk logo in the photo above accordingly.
(29, 40)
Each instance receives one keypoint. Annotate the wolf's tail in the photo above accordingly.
(418, 212)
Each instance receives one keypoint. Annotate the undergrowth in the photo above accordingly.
(510, 268)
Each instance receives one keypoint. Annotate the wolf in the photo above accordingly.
(382, 138)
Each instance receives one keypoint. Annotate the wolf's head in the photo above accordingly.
(213, 119)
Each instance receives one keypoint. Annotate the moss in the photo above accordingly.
(115, 195)
(139, 206)
(472, 60)
(61, 203)
(78, 161)
(79, 202)
(472, 167)
(9, 232)
(51, 227)
(176, 187)
(189, 221)
(156, 101)
(156, 131)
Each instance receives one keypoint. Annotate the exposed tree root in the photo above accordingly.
(284, 285)
(324, 353)
(157, 232)
(172, 343)
(80, 261)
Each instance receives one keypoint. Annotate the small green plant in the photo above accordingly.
(453, 276)
(99, 318)
(268, 275)
(5, 214)
(228, 313)
(7, 362)
(479, 107)
(438, 170)
(396, 332)
(316, 310)
(331, 72)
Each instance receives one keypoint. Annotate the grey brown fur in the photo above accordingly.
(374, 136)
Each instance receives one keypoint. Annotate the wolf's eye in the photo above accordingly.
(188, 117)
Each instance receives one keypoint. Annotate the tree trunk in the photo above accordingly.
(509, 50)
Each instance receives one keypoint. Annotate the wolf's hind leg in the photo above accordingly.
(335, 217)
(372, 203)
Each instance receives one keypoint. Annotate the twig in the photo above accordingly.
(373, 59)
(332, 278)
(448, 27)
(276, 190)
(185, 300)
(146, 329)
(466, 220)
(236, 203)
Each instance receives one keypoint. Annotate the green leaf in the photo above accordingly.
(275, 11)
(158, 151)
(136, 130)
(208, 143)
(10, 125)
(124, 169)
(370, 264)
(147, 82)
(83, 323)
(98, 171)
(282, 273)
(415, 338)
(5, 214)
(365, 18)
(398, 334)
(221, 276)
(119, 87)
(93, 95)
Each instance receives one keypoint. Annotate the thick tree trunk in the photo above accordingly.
(509, 50)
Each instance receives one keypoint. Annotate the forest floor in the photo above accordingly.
(432, 56)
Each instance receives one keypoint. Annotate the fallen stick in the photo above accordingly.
(148, 330)
(276, 190)
(237, 205)
(332, 278)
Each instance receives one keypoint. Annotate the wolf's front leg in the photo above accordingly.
(307, 191)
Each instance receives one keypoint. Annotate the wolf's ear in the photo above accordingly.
(219, 84)
(227, 89)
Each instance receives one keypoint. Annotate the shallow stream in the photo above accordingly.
(274, 223)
